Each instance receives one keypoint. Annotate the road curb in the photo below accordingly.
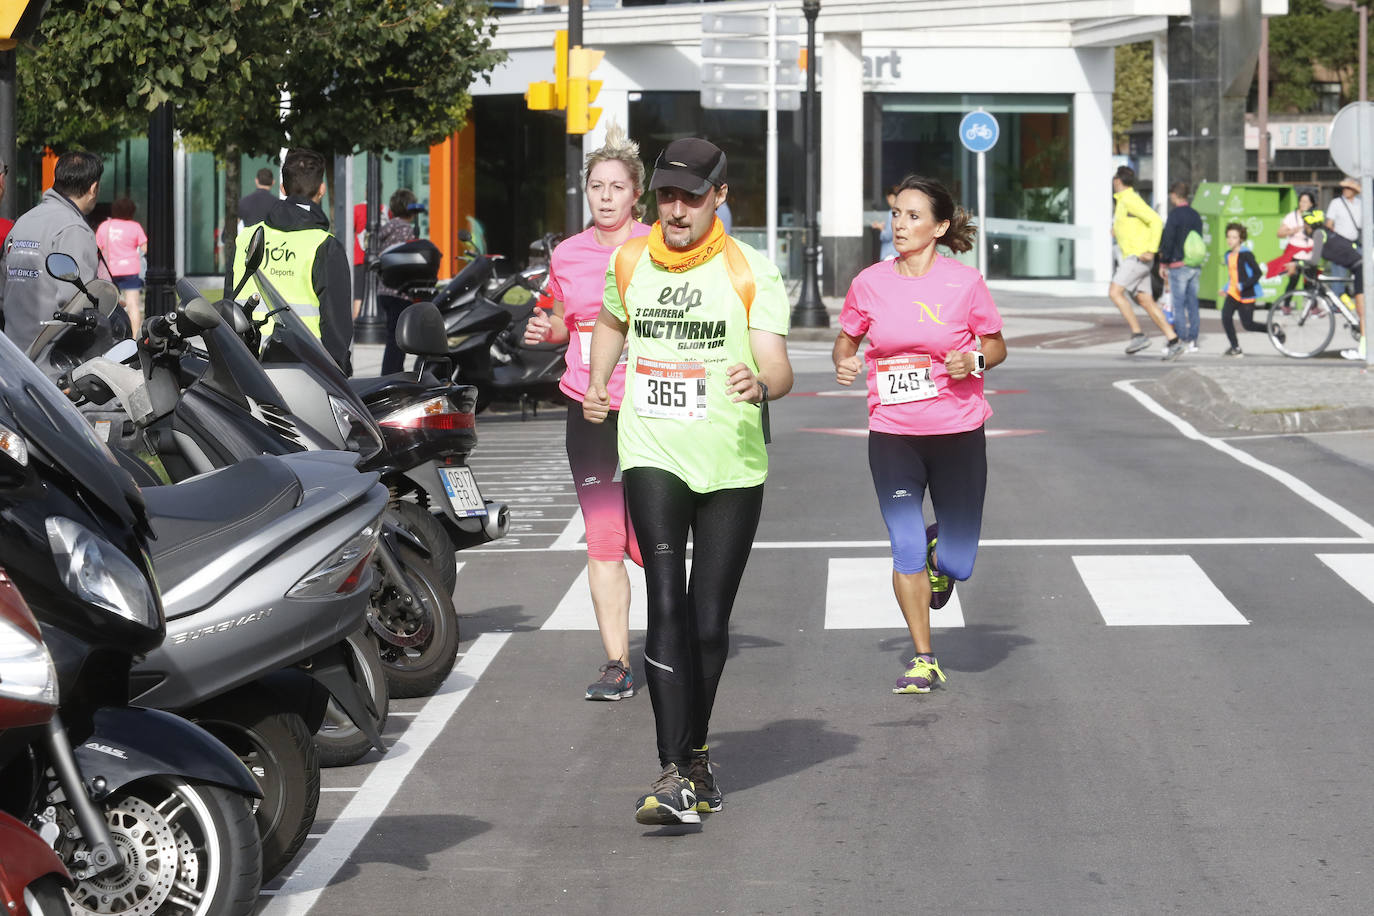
(1196, 394)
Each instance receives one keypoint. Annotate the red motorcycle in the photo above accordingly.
(31, 875)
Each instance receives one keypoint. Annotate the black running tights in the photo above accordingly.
(689, 618)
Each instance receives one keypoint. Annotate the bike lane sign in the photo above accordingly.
(978, 131)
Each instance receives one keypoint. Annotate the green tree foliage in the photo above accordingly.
(1133, 94)
(1311, 35)
(361, 75)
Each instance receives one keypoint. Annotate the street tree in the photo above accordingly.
(1133, 93)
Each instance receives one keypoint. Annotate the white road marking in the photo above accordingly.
(1006, 542)
(858, 596)
(1300, 487)
(1355, 568)
(1140, 590)
(570, 538)
(303, 888)
(575, 611)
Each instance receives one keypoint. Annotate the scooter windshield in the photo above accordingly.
(58, 435)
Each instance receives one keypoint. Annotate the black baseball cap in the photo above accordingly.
(692, 164)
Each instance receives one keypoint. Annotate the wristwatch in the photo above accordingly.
(978, 364)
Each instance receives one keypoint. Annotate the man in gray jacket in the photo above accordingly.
(28, 296)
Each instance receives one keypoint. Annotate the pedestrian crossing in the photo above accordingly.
(1130, 590)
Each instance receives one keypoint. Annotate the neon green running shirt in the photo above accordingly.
(686, 329)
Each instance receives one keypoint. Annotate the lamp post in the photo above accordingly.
(809, 311)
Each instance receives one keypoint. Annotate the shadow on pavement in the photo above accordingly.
(779, 749)
(974, 648)
(409, 840)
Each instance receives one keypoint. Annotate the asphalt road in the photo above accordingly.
(1156, 695)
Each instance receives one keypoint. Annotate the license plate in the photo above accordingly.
(462, 492)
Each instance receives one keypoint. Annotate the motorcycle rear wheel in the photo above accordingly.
(418, 670)
(279, 750)
(339, 741)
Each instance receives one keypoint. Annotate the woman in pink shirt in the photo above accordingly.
(121, 241)
(614, 181)
(932, 330)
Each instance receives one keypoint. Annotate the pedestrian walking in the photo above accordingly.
(254, 206)
(28, 295)
(1183, 276)
(884, 227)
(123, 243)
(398, 229)
(933, 330)
(1242, 285)
(1137, 229)
(1343, 218)
(706, 319)
(613, 178)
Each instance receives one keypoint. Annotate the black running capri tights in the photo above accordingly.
(689, 617)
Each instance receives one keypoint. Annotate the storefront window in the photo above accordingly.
(1029, 171)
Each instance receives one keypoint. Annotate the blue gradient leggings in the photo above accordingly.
(955, 469)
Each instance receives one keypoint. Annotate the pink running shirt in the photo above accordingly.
(577, 278)
(120, 239)
(909, 320)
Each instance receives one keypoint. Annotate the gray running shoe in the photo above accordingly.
(1175, 349)
(616, 683)
(703, 776)
(670, 800)
(1233, 351)
(1138, 342)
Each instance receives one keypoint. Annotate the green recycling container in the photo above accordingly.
(1259, 208)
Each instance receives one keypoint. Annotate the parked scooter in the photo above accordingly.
(32, 877)
(225, 544)
(149, 813)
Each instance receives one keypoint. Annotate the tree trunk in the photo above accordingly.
(233, 185)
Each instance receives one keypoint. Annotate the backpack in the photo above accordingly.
(736, 265)
(1194, 249)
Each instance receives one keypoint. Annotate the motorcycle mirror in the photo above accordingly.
(252, 259)
(63, 267)
(420, 331)
(186, 290)
(201, 314)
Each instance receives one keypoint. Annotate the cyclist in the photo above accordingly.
(932, 330)
(1336, 249)
(614, 179)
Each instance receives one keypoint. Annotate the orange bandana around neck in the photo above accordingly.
(678, 261)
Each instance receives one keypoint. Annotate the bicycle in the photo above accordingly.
(1302, 323)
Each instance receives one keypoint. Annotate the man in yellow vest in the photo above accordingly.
(304, 262)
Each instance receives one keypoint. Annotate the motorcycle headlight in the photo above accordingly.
(28, 672)
(359, 433)
(13, 445)
(96, 572)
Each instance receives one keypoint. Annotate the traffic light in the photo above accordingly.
(582, 89)
(550, 96)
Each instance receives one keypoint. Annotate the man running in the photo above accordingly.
(1137, 229)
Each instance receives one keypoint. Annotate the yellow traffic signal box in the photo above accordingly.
(582, 90)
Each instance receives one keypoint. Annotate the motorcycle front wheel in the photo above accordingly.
(190, 849)
(45, 897)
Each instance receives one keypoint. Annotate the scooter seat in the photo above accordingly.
(198, 519)
(366, 385)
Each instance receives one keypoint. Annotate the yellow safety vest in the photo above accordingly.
(288, 263)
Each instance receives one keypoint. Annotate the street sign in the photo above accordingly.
(1350, 155)
(978, 131)
(721, 73)
(749, 49)
(747, 24)
(748, 99)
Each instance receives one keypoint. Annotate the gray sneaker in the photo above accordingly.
(670, 800)
(1175, 349)
(616, 683)
(703, 776)
(1138, 342)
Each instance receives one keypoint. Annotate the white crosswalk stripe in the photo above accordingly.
(1142, 591)
(858, 596)
(1355, 568)
(575, 611)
